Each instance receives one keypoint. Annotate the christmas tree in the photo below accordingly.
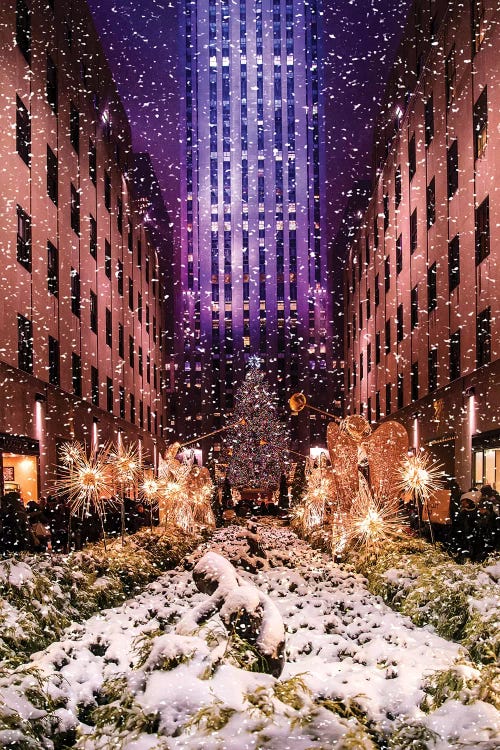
(257, 446)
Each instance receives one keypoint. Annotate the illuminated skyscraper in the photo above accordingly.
(253, 249)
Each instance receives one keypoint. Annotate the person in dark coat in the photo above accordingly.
(58, 518)
(485, 532)
(15, 534)
(466, 527)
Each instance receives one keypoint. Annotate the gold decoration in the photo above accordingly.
(297, 402)
(353, 447)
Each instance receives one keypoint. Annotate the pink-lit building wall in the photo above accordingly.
(422, 280)
(118, 332)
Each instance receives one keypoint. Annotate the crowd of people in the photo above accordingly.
(475, 523)
(48, 524)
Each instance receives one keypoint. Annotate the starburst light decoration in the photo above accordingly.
(125, 463)
(87, 480)
(420, 476)
(372, 522)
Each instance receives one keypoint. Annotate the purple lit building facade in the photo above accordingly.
(253, 251)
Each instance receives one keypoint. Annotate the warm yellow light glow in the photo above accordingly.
(420, 476)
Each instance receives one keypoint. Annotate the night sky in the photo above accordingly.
(140, 38)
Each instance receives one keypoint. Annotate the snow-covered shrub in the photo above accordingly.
(40, 595)
(422, 581)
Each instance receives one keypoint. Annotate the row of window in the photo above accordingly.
(25, 363)
(482, 250)
(483, 356)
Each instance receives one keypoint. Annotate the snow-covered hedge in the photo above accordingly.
(40, 595)
(461, 602)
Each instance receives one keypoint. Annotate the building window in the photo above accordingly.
(107, 191)
(93, 311)
(93, 237)
(414, 382)
(52, 176)
(53, 361)
(109, 327)
(398, 187)
(387, 274)
(483, 337)
(139, 307)
(119, 277)
(131, 351)
(414, 307)
(433, 369)
(361, 366)
(75, 210)
(148, 368)
(119, 214)
(377, 348)
(139, 359)
(431, 203)
(92, 162)
(122, 401)
(368, 305)
(51, 85)
(429, 121)
(388, 336)
(132, 408)
(480, 124)
(94, 385)
(23, 29)
(432, 287)
(386, 212)
(23, 132)
(478, 24)
(75, 293)
(450, 76)
(130, 294)
(482, 231)
(399, 254)
(121, 341)
(52, 269)
(455, 355)
(107, 259)
(413, 231)
(387, 398)
(377, 291)
(23, 238)
(452, 168)
(399, 324)
(454, 263)
(412, 157)
(24, 344)
(147, 269)
(76, 374)
(74, 127)
(139, 253)
(109, 395)
(141, 414)
(369, 357)
(400, 390)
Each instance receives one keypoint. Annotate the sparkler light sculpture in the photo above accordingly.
(86, 481)
(420, 477)
(373, 521)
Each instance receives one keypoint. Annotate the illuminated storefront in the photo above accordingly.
(20, 466)
(486, 458)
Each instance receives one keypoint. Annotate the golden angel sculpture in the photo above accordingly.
(377, 455)
(185, 500)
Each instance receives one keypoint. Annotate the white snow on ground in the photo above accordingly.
(343, 644)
